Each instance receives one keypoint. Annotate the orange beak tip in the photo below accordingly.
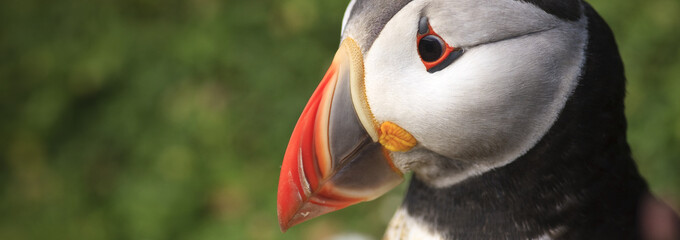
(288, 201)
(283, 226)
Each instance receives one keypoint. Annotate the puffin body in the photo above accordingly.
(509, 113)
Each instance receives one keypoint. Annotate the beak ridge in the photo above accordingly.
(334, 159)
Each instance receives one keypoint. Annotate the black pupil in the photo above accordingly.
(430, 48)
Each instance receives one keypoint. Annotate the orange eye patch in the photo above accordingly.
(434, 52)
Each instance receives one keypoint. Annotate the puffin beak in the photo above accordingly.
(334, 158)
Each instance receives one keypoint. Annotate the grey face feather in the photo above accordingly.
(367, 18)
(570, 10)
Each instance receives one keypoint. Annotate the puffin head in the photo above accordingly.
(445, 89)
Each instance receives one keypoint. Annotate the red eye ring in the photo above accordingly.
(447, 50)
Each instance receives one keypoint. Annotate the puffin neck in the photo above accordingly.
(578, 182)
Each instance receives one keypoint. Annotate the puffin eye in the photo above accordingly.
(431, 48)
(434, 52)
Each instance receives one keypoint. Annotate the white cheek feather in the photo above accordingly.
(492, 104)
(404, 227)
(552, 233)
(544, 237)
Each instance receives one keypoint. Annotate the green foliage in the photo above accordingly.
(155, 119)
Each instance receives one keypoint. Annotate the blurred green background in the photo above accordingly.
(150, 119)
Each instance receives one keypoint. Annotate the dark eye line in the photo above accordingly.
(455, 54)
(510, 37)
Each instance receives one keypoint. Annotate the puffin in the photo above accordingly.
(508, 113)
